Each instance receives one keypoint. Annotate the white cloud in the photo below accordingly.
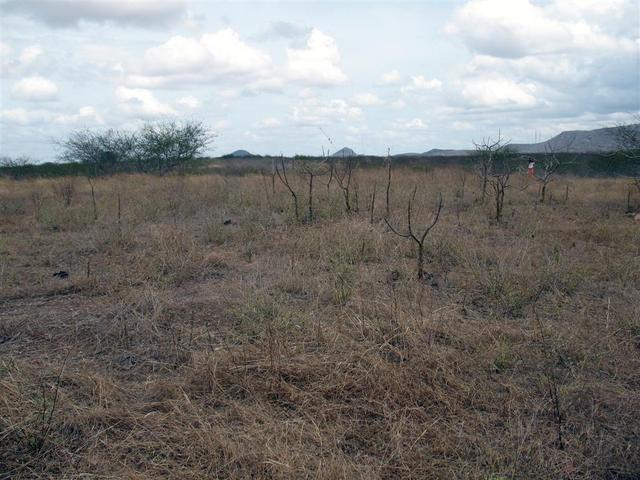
(24, 63)
(67, 13)
(30, 54)
(516, 28)
(390, 78)
(499, 92)
(189, 102)
(138, 102)
(419, 84)
(177, 55)
(315, 111)
(35, 89)
(317, 63)
(85, 115)
(213, 57)
(365, 99)
(570, 55)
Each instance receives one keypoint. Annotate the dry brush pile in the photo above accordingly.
(195, 329)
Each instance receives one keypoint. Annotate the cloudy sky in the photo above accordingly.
(272, 76)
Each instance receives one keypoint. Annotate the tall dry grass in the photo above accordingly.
(203, 333)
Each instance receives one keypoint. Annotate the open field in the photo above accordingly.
(202, 332)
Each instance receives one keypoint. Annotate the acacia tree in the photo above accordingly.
(102, 152)
(166, 146)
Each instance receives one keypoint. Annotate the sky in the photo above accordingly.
(298, 77)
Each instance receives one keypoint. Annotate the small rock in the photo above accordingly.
(61, 274)
(228, 222)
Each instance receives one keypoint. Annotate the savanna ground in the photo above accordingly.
(203, 333)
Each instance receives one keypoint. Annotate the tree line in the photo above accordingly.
(156, 148)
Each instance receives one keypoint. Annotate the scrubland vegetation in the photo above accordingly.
(195, 329)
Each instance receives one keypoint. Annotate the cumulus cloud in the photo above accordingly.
(366, 99)
(568, 55)
(87, 115)
(315, 111)
(141, 103)
(317, 63)
(69, 13)
(211, 58)
(419, 84)
(499, 92)
(27, 60)
(30, 54)
(35, 89)
(516, 28)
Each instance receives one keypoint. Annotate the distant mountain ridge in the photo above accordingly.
(600, 140)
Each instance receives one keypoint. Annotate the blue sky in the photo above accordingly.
(270, 76)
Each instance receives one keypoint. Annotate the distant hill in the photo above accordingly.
(344, 152)
(239, 154)
(437, 152)
(576, 141)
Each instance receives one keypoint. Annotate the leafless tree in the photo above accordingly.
(628, 139)
(417, 238)
(488, 153)
(372, 205)
(499, 183)
(550, 164)
(8, 162)
(343, 173)
(388, 182)
(93, 199)
(313, 170)
(282, 175)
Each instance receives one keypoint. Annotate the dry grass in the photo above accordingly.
(201, 333)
